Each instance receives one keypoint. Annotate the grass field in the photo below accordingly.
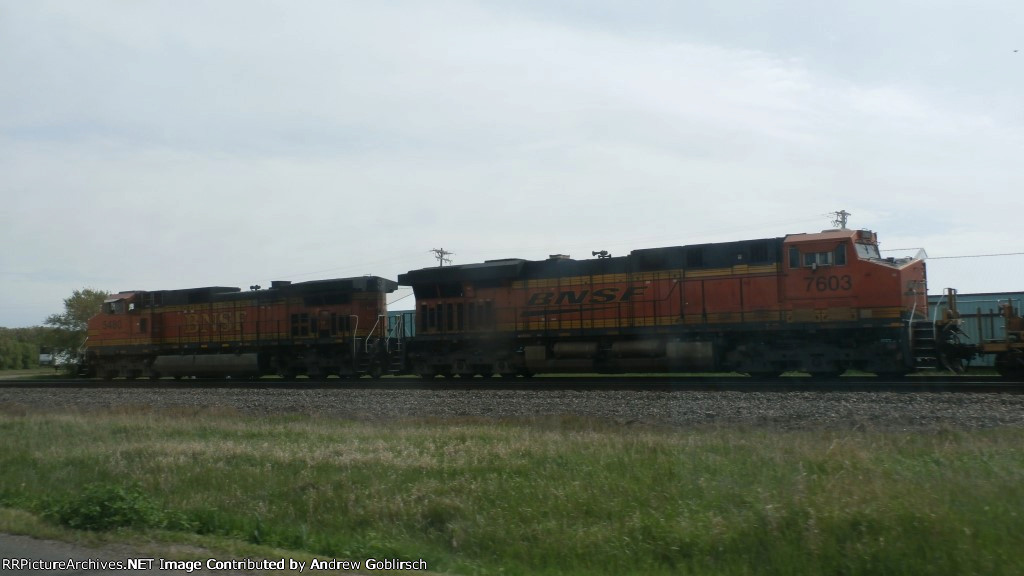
(44, 372)
(552, 496)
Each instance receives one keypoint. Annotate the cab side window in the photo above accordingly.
(819, 258)
(841, 255)
(836, 257)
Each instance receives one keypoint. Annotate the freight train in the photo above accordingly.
(820, 303)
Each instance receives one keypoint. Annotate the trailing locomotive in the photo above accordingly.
(820, 303)
(316, 328)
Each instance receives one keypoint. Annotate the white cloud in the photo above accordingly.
(152, 146)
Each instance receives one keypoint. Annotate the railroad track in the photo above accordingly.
(790, 403)
(912, 384)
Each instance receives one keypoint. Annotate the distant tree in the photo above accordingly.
(19, 347)
(7, 353)
(16, 352)
(69, 328)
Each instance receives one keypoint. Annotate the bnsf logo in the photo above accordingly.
(222, 322)
(599, 296)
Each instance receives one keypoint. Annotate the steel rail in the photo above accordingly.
(910, 384)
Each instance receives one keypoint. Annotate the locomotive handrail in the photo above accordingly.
(935, 314)
(386, 329)
(399, 329)
(372, 330)
(910, 324)
(355, 334)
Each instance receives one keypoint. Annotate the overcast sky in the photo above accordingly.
(158, 145)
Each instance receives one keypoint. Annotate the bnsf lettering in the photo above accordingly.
(222, 322)
(599, 296)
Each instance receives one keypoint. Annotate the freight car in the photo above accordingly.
(316, 328)
(820, 303)
(1006, 349)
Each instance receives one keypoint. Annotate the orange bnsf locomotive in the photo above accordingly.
(316, 328)
(820, 303)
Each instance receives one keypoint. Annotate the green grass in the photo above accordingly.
(44, 372)
(552, 496)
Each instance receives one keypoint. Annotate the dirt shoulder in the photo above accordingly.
(28, 555)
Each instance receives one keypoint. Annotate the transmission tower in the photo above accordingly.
(442, 256)
(839, 220)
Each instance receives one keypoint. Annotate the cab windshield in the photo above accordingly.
(868, 251)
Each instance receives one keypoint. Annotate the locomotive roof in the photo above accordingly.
(356, 284)
(181, 296)
(119, 296)
(489, 270)
(834, 234)
(712, 255)
(220, 293)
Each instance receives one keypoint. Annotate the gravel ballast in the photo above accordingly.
(785, 410)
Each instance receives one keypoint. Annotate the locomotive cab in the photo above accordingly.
(839, 275)
(118, 326)
(836, 280)
(120, 319)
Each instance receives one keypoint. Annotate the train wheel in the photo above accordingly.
(891, 375)
(826, 375)
(765, 375)
(948, 348)
(955, 365)
(503, 369)
(345, 371)
(376, 370)
(424, 370)
(1010, 365)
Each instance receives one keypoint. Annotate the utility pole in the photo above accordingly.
(442, 256)
(840, 218)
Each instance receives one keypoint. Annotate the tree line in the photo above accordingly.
(61, 334)
(19, 347)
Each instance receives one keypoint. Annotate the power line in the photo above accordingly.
(976, 256)
(400, 299)
(953, 257)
